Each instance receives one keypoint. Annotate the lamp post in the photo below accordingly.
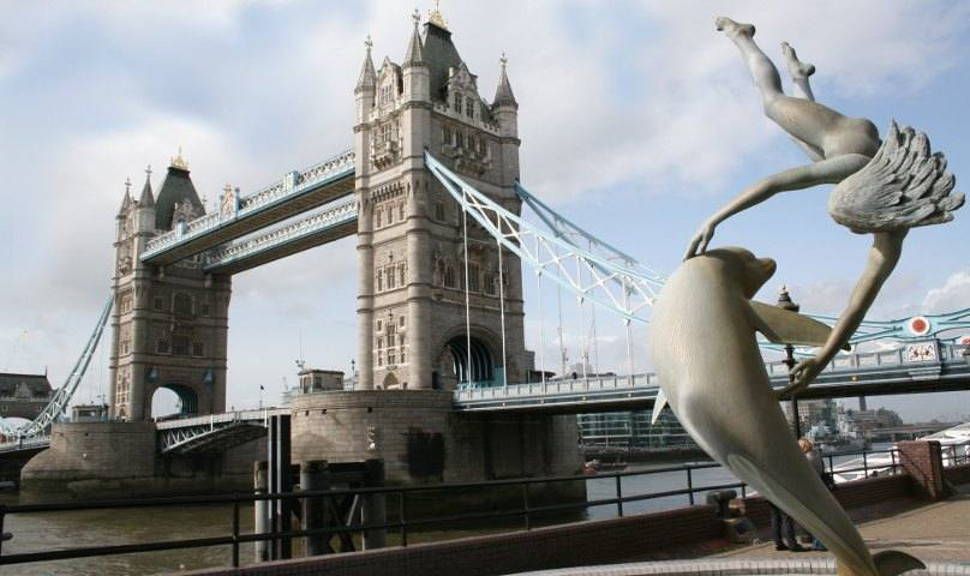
(785, 303)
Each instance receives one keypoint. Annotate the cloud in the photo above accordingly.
(953, 295)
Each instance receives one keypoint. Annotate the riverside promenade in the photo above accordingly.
(936, 532)
(924, 511)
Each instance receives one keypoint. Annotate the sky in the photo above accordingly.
(637, 119)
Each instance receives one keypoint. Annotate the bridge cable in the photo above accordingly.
(501, 296)
(542, 323)
(562, 345)
(468, 305)
(584, 356)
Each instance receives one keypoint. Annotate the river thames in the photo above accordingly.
(48, 531)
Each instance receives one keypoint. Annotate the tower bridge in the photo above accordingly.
(431, 189)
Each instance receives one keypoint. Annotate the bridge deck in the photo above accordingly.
(296, 194)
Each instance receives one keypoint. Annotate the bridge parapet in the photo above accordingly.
(291, 184)
(344, 212)
(918, 366)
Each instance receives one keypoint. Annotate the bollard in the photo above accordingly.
(374, 510)
(261, 509)
(314, 477)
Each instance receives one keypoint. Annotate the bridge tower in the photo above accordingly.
(169, 324)
(418, 327)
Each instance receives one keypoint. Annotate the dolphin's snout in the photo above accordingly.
(769, 266)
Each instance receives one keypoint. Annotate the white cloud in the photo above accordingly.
(953, 295)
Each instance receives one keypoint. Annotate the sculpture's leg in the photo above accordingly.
(805, 120)
(800, 73)
(883, 257)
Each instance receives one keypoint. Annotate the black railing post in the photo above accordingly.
(892, 453)
(402, 520)
(235, 530)
(831, 465)
(525, 505)
(865, 463)
(3, 535)
(690, 486)
(619, 495)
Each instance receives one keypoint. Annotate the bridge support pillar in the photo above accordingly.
(261, 522)
(314, 477)
(374, 510)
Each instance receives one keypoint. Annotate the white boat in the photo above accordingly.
(955, 444)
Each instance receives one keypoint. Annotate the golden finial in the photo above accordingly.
(504, 60)
(368, 43)
(127, 185)
(148, 172)
(179, 162)
(435, 17)
(416, 16)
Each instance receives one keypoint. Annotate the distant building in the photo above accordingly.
(23, 395)
(633, 430)
(313, 380)
(89, 413)
(869, 420)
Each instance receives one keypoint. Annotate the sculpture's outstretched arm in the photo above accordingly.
(828, 171)
(883, 256)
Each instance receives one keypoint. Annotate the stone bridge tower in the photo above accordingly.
(169, 324)
(413, 321)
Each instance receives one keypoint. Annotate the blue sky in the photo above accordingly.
(637, 119)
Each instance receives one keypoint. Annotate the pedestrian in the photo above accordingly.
(782, 529)
(815, 459)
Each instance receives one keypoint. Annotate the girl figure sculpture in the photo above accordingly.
(883, 188)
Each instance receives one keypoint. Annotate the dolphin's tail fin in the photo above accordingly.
(888, 563)
(893, 562)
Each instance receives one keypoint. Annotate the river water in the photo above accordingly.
(48, 531)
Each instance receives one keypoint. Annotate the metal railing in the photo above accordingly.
(404, 526)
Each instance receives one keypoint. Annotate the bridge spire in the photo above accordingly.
(368, 77)
(147, 198)
(126, 201)
(435, 17)
(503, 94)
(415, 53)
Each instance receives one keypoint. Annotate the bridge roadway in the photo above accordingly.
(294, 194)
(866, 374)
(908, 370)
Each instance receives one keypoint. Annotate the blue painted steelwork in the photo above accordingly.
(290, 187)
(54, 411)
(567, 230)
(590, 276)
(330, 217)
(216, 431)
(892, 372)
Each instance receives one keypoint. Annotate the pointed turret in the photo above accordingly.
(503, 94)
(417, 81)
(146, 205)
(147, 198)
(177, 199)
(505, 109)
(415, 53)
(368, 76)
(126, 201)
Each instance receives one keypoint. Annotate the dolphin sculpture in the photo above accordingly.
(704, 348)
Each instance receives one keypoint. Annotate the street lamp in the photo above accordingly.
(785, 303)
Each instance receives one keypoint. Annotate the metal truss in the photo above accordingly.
(292, 184)
(331, 216)
(214, 432)
(55, 408)
(568, 231)
(623, 291)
